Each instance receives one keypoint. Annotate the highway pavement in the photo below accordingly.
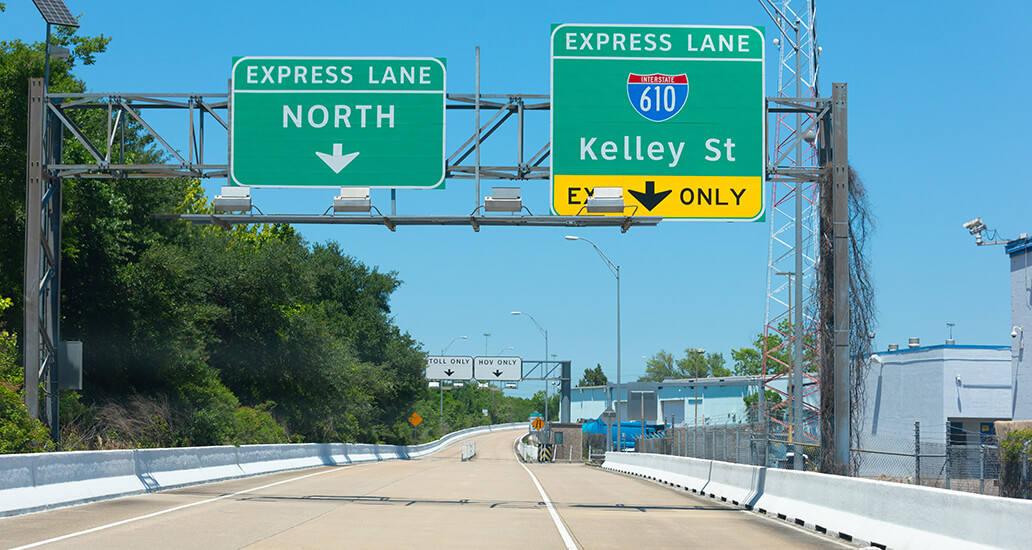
(491, 501)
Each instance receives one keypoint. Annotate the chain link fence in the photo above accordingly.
(947, 461)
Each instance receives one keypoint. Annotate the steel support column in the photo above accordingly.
(32, 346)
(42, 282)
(840, 218)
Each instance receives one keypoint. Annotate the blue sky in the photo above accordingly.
(939, 114)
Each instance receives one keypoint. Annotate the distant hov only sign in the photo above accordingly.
(672, 115)
(485, 369)
(507, 369)
(337, 122)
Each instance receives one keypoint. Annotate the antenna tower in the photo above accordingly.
(794, 222)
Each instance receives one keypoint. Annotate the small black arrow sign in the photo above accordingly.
(449, 372)
(497, 373)
(650, 198)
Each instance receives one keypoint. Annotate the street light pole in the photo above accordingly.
(699, 352)
(443, 351)
(615, 269)
(545, 363)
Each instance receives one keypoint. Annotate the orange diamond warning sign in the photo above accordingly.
(415, 419)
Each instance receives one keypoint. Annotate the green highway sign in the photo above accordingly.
(337, 122)
(672, 115)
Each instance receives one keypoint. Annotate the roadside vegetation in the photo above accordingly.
(198, 336)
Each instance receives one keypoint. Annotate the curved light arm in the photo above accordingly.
(615, 269)
(539, 327)
(452, 342)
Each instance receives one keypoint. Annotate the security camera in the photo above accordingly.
(1014, 334)
(975, 226)
(1016, 331)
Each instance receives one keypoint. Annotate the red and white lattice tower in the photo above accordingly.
(794, 222)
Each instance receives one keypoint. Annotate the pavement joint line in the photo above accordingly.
(169, 510)
(567, 539)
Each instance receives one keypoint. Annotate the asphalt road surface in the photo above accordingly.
(491, 501)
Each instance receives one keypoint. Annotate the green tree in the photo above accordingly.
(752, 409)
(593, 377)
(194, 335)
(18, 63)
(695, 364)
(538, 403)
(749, 361)
(18, 432)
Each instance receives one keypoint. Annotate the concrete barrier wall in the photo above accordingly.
(41, 481)
(892, 515)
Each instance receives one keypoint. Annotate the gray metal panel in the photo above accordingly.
(70, 361)
(505, 192)
(492, 204)
(635, 405)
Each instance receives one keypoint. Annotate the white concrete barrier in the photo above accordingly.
(892, 515)
(42, 481)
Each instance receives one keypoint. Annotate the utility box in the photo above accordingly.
(69, 361)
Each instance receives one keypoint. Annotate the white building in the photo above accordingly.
(1020, 252)
(947, 388)
(709, 400)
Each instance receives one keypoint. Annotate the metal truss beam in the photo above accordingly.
(186, 158)
(392, 222)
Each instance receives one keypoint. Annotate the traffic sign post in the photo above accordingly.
(446, 367)
(672, 115)
(337, 122)
(415, 419)
(506, 369)
(608, 416)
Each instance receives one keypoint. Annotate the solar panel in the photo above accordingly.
(56, 12)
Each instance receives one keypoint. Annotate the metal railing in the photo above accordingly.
(970, 463)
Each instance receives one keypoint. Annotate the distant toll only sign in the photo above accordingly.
(337, 122)
(673, 115)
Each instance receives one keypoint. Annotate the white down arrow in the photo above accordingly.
(337, 161)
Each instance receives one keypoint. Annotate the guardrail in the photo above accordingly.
(527, 453)
(889, 515)
(41, 481)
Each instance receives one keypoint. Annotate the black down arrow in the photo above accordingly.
(449, 372)
(497, 373)
(650, 198)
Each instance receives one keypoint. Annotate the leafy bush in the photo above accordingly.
(256, 425)
(18, 432)
(1014, 447)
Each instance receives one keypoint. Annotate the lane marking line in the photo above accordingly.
(175, 509)
(567, 539)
